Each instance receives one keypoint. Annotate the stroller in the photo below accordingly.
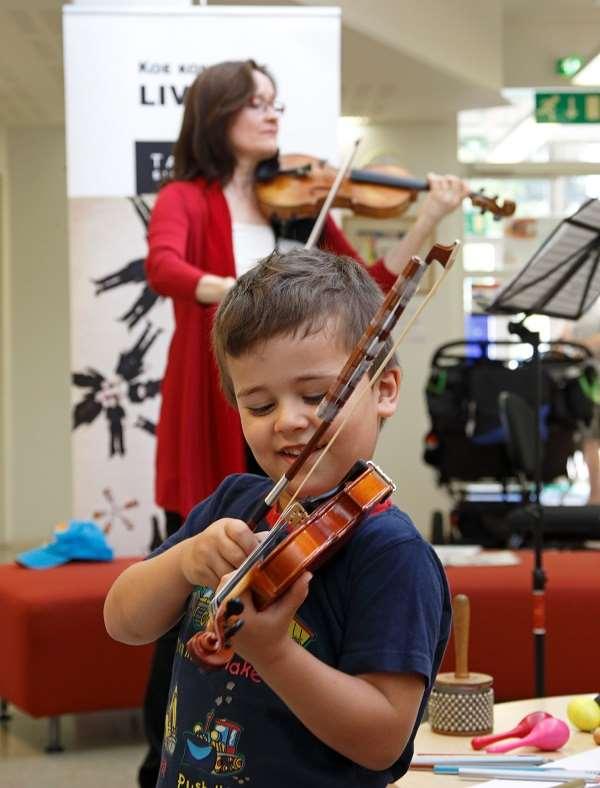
(469, 447)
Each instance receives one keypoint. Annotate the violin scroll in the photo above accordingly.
(491, 204)
(211, 648)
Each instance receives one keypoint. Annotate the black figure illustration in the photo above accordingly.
(88, 408)
(115, 415)
(145, 424)
(131, 362)
(139, 391)
(113, 394)
(140, 307)
(132, 273)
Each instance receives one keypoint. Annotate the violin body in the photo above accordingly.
(290, 195)
(306, 547)
(316, 540)
(295, 186)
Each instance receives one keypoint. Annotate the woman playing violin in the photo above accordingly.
(328, 684)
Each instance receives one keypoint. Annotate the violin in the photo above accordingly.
(300, 540)
(311, 542)
(295, 186)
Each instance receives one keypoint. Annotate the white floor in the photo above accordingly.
(101, 749)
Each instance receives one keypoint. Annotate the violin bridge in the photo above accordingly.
(296, 516)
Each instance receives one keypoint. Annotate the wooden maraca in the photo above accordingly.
(462, 703)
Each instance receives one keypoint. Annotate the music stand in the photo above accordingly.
(562, 279)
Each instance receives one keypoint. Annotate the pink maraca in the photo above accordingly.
(525, 726)
(548, 734)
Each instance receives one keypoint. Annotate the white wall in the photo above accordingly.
(36, 391)
(3, 332)
(420, 149)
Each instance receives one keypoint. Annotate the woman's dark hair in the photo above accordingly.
(211, 102)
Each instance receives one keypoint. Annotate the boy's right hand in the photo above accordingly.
(220, 549)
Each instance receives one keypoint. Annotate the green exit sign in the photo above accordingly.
(567, 107)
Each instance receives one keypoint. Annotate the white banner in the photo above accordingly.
(126, 72)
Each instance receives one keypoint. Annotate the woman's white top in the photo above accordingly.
(252, 242)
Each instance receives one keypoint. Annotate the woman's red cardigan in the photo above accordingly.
(199, 437)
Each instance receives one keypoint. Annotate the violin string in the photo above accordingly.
(257, 553)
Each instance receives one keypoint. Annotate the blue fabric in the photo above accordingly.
(79, 541)
(380, 604)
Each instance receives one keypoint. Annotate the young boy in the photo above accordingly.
(328, 684)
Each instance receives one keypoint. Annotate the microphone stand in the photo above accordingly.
(539, 575)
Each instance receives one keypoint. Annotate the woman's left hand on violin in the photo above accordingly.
(264, 636)
(445, 194)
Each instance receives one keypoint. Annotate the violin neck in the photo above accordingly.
(240, 578)
(381, 179)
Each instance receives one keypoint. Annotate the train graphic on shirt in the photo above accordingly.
(210, 748)
(213, 750)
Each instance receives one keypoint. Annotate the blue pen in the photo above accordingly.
(519, 773)
(431, 760)
(447, 768)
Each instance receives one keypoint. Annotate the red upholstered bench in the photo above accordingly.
(56, 657)
(501, 640)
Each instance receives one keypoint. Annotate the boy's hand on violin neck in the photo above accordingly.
(264, 639)
(215, 552)
(446, 193)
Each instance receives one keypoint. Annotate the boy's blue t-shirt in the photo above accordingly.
(381, 604)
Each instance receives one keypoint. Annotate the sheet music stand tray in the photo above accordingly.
(562, 279)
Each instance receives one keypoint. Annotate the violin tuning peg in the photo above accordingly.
(229, 633)
(234, 607)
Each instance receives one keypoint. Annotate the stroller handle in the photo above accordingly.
(582, 353)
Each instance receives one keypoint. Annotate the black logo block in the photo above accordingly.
(153, 164)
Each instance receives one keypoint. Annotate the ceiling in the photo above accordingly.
(31, 75)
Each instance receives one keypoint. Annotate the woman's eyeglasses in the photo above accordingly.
(261, 104)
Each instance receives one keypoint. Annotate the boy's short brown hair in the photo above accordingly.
(300, 290)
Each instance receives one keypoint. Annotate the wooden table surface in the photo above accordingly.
(506, 716)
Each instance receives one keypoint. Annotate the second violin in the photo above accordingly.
(295, 186)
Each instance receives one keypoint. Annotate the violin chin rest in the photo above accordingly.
(208, 651)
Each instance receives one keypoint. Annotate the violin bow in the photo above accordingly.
(320, 220)
(363, 355)
(360, 360)
(447, 265)
(447, 255)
